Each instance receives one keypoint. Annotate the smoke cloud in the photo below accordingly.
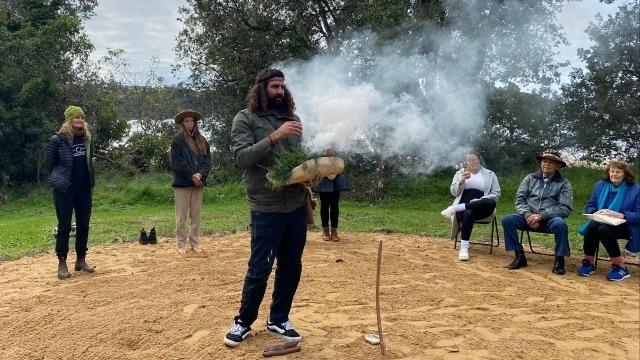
(420, 96)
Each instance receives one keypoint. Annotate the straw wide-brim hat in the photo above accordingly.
(551, 155)
(187, 113)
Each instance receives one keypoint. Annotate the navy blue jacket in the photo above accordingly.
(339, 183)
(59, 162)
(185, 163)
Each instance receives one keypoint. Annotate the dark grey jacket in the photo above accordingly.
(254, 154)
(59, 162)
(184, 163)
(550, 198)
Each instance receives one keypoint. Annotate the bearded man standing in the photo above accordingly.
(261, 133)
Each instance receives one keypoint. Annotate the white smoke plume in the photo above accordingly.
(404, 104)
(421, 95)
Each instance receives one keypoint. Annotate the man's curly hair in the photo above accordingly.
(257, 98)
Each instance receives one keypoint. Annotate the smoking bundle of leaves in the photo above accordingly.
(280, 170)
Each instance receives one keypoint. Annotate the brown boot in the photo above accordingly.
(326, 236)
(81, 264)
(63, 271)
(334, 234)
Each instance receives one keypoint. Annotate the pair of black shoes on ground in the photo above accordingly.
(520, 261)
(151, 239)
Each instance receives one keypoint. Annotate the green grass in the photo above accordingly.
(122, 205)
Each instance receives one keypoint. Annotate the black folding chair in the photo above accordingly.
(491, 219)
(595, 261)
(529, 239)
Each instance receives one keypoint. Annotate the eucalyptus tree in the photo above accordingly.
(602, 102)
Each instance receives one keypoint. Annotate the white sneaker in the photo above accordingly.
(448, 213)
(463, 255)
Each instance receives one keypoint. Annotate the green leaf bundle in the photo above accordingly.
(280, 170)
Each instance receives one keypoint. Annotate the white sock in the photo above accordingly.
(460, 207)
(464, 245)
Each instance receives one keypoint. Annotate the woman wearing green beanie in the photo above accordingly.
(68, 161)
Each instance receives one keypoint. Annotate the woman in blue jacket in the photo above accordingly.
(68, 161)
(618, 197)
(190, 162)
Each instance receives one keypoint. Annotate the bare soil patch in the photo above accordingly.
(147, 302)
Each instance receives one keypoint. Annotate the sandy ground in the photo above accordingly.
(146, 302)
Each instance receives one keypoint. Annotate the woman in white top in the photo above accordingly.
(476, 190)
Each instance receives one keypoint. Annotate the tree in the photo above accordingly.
(603, 103)
(40, 41)
(520, 125)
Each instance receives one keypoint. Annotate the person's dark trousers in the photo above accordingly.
(78, 199)
(329, 208)
(606, 234)
(555, 225)
(474, 211)
(274, 236)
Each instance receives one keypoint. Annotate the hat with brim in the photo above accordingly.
(551, 155)
(187, 113)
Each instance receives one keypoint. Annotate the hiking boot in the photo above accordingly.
(284, 330)
(236, 334)
(519, 261)
(153, 239)
(81, 264)
(586, 269)
(143, 240)
(63, 270)
(448, 213)
(334, 234)
(326, 236)
(618, 273)
(463, 255)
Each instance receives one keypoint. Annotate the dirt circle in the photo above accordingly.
(147, 302)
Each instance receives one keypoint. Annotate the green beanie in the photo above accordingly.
(73, 112)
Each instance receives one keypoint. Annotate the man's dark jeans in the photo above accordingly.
(274, 236)
(76, 198)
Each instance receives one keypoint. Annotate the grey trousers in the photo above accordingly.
(188, 204)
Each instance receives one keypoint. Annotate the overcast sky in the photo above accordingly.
(149, 28)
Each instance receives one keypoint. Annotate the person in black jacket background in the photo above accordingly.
(329, 190)
(68, 161)
(190, 162)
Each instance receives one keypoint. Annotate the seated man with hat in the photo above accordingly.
(543, 200)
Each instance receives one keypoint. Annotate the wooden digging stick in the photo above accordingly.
(378, 298)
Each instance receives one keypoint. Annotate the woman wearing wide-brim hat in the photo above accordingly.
(190, 163)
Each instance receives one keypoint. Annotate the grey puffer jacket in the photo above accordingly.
(254, 153)
(59, 162)
(550, 197)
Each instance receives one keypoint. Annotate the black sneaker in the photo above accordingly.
(236, 334)
(152, 236)
(143, 240)
(285, 330)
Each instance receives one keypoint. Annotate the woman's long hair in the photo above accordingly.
(69, 132)
(195, 140)
(257, 99)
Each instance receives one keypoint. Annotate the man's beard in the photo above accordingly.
(276, 103)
